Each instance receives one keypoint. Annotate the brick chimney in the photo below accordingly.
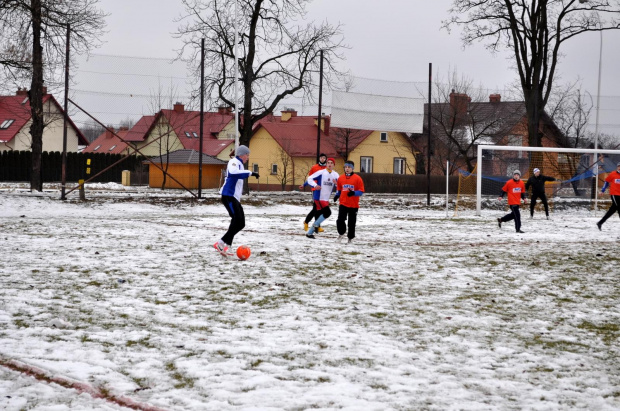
(44, 90)
(109, 133)
(288, 113)
(495, 98)
(459, 103)
(224, 110)
(22, 92)
(325, 122)
(179, 107)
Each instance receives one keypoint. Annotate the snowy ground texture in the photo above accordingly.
(124, 294)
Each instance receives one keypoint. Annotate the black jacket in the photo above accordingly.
(537, 183)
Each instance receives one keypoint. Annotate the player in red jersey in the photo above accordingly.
(516, 192)
(350, 188)
(613, 182)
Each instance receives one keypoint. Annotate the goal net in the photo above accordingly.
(578, 175)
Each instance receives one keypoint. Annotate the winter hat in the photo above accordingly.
(242, 150)
(332, 160)
(349, 163)
(516, 172)
(618, 165)
(537, 170)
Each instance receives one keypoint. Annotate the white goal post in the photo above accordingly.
(528, 149)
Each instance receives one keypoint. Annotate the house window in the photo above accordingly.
(6, 124)
(274, 169)
(366, 164)
(399, 166)
(195, 134)
(97, 148)
(255, 168)
(112, 148)
(188, 135)
(383, 137)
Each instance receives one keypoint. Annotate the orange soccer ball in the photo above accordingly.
(243, 252)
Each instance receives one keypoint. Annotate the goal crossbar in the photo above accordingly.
(530, 149)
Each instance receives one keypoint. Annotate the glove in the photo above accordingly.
(351, 193)
(255, 174)
(336, 197)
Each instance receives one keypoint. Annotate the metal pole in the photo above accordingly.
(447, 185)
(598, 106)
(236, 80)
(202, 114)
(320, 116)
(63, 183)
(428, 149)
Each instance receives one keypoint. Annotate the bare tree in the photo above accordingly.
(277, 57)
(534, 31)
(462, 118)
(570, 109)
(284, 174)
(34, 42)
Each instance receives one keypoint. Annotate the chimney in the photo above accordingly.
(459, 104)
(224, 110)
(22, 92)
(495, 98)
(44, 90)
(288, 113)
(109, 133)
(179, 107)
(326, 123)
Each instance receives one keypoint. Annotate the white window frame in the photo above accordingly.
(402, 163)
(112, 148)
(366, 164)
(274, 169)
(383, 137)
(195, 134)
(188, 135)
(255, 167)
(97, 148)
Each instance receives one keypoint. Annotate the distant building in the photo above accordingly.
(16, 119)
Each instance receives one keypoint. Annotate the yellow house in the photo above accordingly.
(283, 149)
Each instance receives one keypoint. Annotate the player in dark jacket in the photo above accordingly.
(537, 181)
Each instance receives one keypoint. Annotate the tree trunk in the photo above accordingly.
(36, 99)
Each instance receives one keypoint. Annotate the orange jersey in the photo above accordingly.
(514, 189)
(614, 183)
(347, 183)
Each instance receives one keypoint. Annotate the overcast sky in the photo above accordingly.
(388, 39)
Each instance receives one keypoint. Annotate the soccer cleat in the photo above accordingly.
(531, 217)
(599, 225)
(499, 222)
(340, 238)
(305, 226)
(310, 236)
(547, 217)
(319, 230)
(350, 241)
(222, 249)
(521, 232)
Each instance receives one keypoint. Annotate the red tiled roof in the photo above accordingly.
(108, 143)
(17, 108)
(139, 130)
(298, 136)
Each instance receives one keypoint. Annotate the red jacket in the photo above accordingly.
(515, 190)
(347, 183)
(614, 183)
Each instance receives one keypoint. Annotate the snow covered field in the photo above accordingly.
(124, 297)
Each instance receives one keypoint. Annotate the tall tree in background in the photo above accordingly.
(534, 31)
(33, 49)
(277, 56)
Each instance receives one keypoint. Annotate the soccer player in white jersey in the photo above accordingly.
(231, 198)
(325, 181)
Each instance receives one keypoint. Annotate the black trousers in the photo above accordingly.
(514, 214)
(543, 200)
(345, 213)
(237, 222)
(615, 206)
(311, 214)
